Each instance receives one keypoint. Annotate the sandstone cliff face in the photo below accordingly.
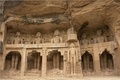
(97, 12)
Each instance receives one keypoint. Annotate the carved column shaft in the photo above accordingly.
(35, 62)
(110, 64)
(38, 63)
(85, 62)
(44, 62)
(65, 63)
(96, 59)
(88, 65)
(72, 65)
(24, 62)
(105, 61)
(54, 62)
(101, 62)
(13, 62)
(16, 61)
(57, 63)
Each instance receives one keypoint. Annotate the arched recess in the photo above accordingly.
(87, 62)
(13, 61)
(34, 60)
(106, 61)
(54, 60)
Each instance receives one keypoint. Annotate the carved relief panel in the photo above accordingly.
(96, 36)
(37, 38)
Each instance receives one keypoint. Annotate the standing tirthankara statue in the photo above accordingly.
(17, 39)
(56, 38)
(72, 59)
(99, 37)
(38, 38)
(84, 40)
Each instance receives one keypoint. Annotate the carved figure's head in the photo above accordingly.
(38, 34)
(84, 35)
(18, 34)
(99, 32)
(56, 33)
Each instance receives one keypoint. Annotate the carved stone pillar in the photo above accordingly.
(96, 59)
(44, 62)
(72, 65)
(16, 61)
(35, 62)
(57, 59)
(13, 62)
(54, 61)
(87, 62)
(65, 66)
(110, 64)
(105, 61)
(38, 63)
(23, 65)
(101, 62)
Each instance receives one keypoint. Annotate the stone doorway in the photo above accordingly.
(34, 63)
(13, 61)
(106, 61)
(87, 62)
(54, 63)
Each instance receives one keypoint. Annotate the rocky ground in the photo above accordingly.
(61, 78)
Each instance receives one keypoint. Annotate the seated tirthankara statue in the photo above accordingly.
(56, 38)
(28, 39)
(99, 38)
(38, 38)
(91, 41)
(84, 40)
(10, 38)
(17, 39)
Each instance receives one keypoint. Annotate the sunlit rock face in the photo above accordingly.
(65, 38)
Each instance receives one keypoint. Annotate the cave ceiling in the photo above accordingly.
(77, 11)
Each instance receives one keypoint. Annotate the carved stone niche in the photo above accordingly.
(56, 38)
(84, 40)
(17, 39)
(10, 38)
(100, 37)
(38, 39)
(71, 35)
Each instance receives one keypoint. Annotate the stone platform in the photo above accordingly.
(63, 78)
